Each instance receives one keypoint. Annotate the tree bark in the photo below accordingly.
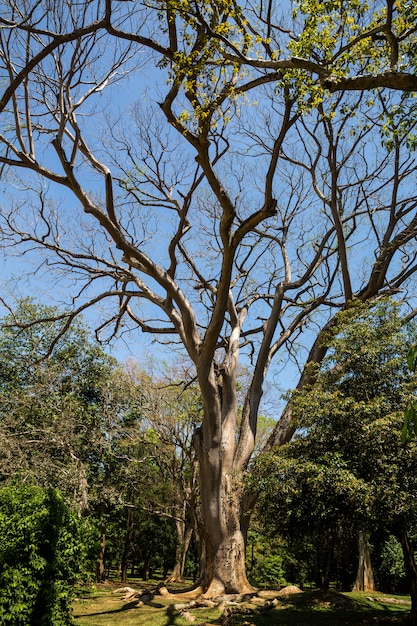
(225, 549)
(197, 526)
(146, 567)
(100, 566)
(184, 534)
(327, 566)
(364, 577)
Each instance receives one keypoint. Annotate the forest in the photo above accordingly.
(227, 189)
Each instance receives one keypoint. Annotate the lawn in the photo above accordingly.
(101, 606)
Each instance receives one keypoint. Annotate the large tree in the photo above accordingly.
(349, 469)
(168, 163)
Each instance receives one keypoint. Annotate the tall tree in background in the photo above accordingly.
(173, 410)
(230, 208)
(52, 417)
(348, 472)
(160, 476)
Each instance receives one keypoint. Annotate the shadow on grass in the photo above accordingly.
(309, 608)
(135, 604)
(171, 619)
(317, 608)
(170, 616)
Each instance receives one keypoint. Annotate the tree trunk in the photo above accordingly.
(81, 491)
(127, 543)
(146, 567)
(221, 504)
(184, 535)
(222, 460)
(411, 571)
(100, 566)
(364, 577)
(197, 529)
(225, 567)
(326, 569)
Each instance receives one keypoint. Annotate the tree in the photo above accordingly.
(52, 409)
(117, 464)
(173, 409)
(67, 421)
(318, 502)
(349, 464)
(254, 235)
(41, 556)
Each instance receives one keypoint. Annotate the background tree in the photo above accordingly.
(172, 413)
(244, 242)
(52, 417)
(68, 420)
(348, 469)
(117, 443)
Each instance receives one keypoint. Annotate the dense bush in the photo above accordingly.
(268, 571)
(40, 555)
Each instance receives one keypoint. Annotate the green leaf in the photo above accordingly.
(412, 358)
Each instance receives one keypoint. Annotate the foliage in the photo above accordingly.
(410, 413)
(276, 560)
(265, 561)
(391, 566)
(347, 469)
(358, 36)
(109, 437)
(268, 572)
(51, 404)
(41, 554)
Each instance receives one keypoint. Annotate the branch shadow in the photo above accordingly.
(126, 607)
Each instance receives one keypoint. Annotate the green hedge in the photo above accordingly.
(40, 554)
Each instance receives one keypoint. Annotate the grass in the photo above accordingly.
(102, 607)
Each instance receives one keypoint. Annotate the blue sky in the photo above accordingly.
(242, 172)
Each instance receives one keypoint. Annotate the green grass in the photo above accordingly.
(102, 607)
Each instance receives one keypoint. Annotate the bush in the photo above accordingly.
(40, 554)
(268, 571)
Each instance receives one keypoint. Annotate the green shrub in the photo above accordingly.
(268, 571)
(40, 555)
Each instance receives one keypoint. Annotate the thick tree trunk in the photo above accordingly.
(221, 501)
(225, 567)
(411, 571)
(364, 577)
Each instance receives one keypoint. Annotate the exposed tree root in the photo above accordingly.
(193, 598)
